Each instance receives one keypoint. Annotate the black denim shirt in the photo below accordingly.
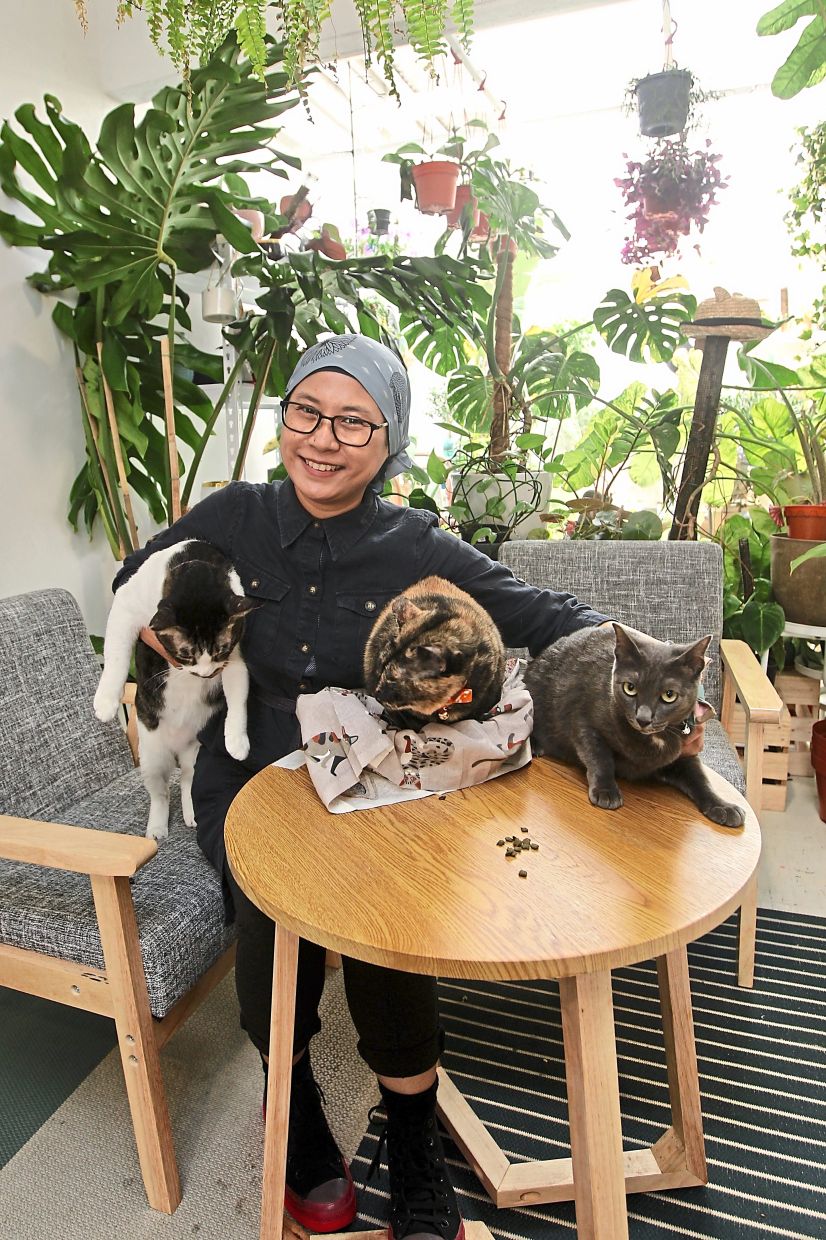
(322, 584)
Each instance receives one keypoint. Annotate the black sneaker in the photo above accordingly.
(423, 1204)
(320, 1194)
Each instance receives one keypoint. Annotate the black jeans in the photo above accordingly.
(395, 1013)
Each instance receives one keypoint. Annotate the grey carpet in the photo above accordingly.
(78, 1177)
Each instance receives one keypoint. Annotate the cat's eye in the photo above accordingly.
(669, 695)
(629, 687)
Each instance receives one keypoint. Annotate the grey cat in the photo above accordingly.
(616, 702)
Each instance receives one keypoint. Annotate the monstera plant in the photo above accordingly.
(192, 32)
(121, 218)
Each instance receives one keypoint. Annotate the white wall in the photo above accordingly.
(41, 439)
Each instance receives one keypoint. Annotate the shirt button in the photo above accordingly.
(313, 589)
(305, 649)
(317, 525)
(255, 583)
(302, 687)
(369, 605)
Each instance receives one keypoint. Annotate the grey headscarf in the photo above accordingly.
(382, 375)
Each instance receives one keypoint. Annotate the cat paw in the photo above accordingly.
(726, 815)
(188, 813)
(238, 744)
(157, 830)
(605, 798)
(106, 702)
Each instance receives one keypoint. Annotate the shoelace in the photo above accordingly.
(426, 1200)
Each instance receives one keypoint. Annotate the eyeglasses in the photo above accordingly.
(351, 431)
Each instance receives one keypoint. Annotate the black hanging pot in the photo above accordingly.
(378, 221)
(664, 101)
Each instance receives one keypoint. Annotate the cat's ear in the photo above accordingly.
(432, 659)
(163, 619)
(405, 610)
(625, 646)
(695, 656)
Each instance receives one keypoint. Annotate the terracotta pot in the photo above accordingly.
(435, 184)
(663, 100)
(482, 230)
(818, 756)
(801, 594)
(806, 521)
(463, 197)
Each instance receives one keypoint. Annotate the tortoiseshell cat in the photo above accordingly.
(434, 651)
(615, 701)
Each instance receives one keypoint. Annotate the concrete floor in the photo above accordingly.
(792, 874)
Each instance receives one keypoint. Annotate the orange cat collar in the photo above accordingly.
(463, 696)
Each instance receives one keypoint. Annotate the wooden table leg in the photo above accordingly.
(594, 1106)
(284, 971)
(683, 1144)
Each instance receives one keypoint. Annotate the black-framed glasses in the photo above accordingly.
(350, 430)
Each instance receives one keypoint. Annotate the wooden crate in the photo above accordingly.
(802, 696)
(775, 756)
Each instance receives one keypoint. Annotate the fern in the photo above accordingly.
(363, 10)
(426, 26)
(379, 15)
(251, 26)
(462, 14)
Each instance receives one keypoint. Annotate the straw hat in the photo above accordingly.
(728, 314)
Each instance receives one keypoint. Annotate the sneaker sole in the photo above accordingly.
(326, 1216)
(460, 1234)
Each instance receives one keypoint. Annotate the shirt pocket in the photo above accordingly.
(355, 616)
(263, 626)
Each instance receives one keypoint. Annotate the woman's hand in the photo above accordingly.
(694, 742)
(150, 638)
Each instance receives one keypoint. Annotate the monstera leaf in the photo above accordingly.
(644, 331)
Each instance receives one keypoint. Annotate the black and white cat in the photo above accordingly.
(191, 597)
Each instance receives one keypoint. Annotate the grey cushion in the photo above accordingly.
(672, 590)
(721, 756)
(53, 750)
(177, 895)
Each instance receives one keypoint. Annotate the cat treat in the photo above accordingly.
(616, 702)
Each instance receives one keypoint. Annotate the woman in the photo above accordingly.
(323, 553)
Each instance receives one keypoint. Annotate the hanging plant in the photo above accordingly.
(669, 193)
(191, 32)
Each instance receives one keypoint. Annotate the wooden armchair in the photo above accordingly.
(93, 914)
(674, 591)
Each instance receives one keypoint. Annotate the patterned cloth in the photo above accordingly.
(357, 761)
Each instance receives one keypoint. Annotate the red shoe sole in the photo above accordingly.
(327, 1216)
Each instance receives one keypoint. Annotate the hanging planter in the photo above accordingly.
(664, 100)
(464, 198)
(481, 232)
(378, 221)
(435, 184)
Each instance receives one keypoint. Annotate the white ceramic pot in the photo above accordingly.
(218, 305)
(476, 490)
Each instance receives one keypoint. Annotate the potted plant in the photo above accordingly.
(378, 220)
(434, 180)
(663, 100)
(669, 192)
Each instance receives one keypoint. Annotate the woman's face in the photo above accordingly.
(329, 477)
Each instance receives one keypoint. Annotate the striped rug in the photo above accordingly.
(762, 1060)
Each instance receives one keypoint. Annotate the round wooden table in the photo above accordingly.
(423, 886)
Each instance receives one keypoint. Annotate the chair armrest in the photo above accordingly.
(760, 700)
(128, 695)
(81, 849)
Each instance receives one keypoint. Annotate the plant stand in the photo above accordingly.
(802, 697)
(774, 766)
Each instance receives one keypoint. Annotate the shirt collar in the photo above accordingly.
(341, 533)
